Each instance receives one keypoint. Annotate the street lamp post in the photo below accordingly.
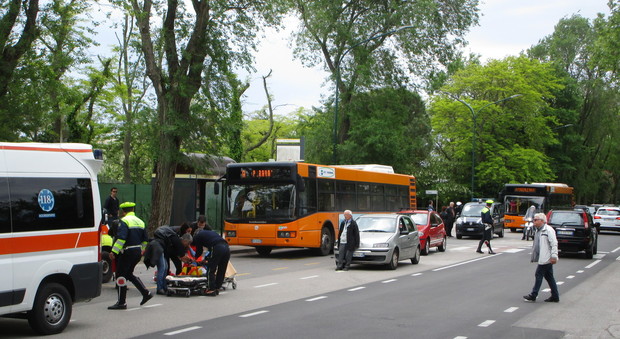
(337, 71)
(473, 135)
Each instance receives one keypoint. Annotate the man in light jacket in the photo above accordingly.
(545, 253)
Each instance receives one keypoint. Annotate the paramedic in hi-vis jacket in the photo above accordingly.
(131, 240)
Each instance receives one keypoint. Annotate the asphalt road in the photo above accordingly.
(455, 294)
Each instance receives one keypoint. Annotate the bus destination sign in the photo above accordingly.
(265, 173)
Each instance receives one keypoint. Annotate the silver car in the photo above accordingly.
(608, 218)
(385, 239)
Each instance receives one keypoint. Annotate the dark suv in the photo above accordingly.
(470, 222)
(575, 231)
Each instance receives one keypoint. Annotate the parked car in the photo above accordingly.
(608, 218)
(575, 231)
(470, 222)
(385, 239)
(431, 228)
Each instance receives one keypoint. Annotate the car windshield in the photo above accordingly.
(566, 218)
(472, 210)
(419, 218)
(604, 211)
(376, 224)
(518, 205)
(261, 201)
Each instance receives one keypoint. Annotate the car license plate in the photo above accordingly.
(565, 232)
(470, 229)
(358, 255)
(257, 241)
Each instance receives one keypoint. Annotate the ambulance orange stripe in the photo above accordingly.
(46, 149)
(40, 243)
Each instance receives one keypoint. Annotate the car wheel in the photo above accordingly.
(595, 250)
(327, 243)
(106, 265)
(51, 311)
(394, 262)
(263, 251)
(501, 233)
(458, 236)
(444, 245)
(590, 252)
(427, 246)
(416, 256)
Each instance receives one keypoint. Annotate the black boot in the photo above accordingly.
(146, 295)
(121, 304)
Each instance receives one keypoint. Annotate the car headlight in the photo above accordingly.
(381, 245)
(459, 221)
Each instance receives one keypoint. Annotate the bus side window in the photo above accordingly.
(5, 207)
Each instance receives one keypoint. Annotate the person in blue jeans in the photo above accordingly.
(545, 253)
(166, 245)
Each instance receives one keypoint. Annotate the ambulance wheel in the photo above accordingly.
(234, 284)
(51, 311)
(169, 293)
(106, 264)
(187, 294)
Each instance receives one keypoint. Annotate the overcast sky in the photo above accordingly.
(507, 27)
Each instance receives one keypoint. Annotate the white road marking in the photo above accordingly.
(356, 289)
(460, 248)
(546, 290)
(465, 262)
(511, 309)
(618, 258)
(183, 330)
(598, 256)
(317, 298)
(570, 277)
(265, 285)
(416, 274)
(559, 283)
(154, 305)
(486, 323)
(389, 281)
(309, 277)
(514, 250)
(616, 250)
(580, 271)
(252, 314)
(601, 252)
(460, 337)
(593, 263)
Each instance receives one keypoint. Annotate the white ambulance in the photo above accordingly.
(49, 231)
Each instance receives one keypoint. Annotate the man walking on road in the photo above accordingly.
(487, 222)
(348, 241)
(545, 253)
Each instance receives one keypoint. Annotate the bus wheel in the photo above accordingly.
(327, 242)
(51, 311)
(106, 264)
(513, 230)
(263, 251)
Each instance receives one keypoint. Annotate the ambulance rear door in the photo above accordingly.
(7, 294)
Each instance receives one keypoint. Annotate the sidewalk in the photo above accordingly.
(590, 310)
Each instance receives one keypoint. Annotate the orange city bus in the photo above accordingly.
(518, 198)
(294, 204)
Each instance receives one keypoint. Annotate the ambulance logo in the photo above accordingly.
(46, 200)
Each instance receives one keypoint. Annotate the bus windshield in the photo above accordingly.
(261, 201)
(518, 205)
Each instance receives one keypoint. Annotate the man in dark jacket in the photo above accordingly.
(166, 246)
(348, 241)
(487, 222)
(219, 257)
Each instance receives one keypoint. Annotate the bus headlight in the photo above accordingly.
(287, 234)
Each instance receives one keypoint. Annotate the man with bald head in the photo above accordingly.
(348, 241)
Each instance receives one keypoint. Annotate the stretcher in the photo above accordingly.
(194, 281)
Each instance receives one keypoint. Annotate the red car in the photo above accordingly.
(431, 228)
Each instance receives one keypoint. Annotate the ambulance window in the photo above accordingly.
(5, 207)
(51, 203)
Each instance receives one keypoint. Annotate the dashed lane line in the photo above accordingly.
(388, 281)
(309, 277)
(460, 248)
(317, 298)
(312, 263)
(580, 271)
(599, 256)
(465, 262)
(279, 268)
(570, 277)
(593, 263)
(242, 274)
(513, 250)
(460, 337)
(510, 309)
(416, 274)
(615, 250)
(356, 289)
(486, 323)
(559, 283)
(193, 328)
(247, 315)
(265, 285)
